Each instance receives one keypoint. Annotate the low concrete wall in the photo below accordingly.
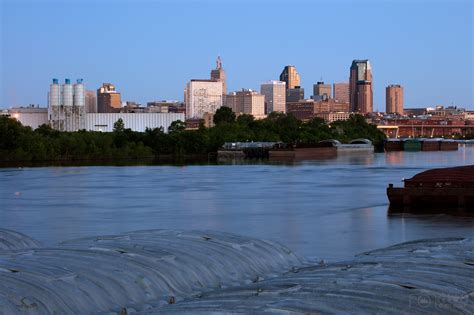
(103, 274)
(422, 277)
(176, 272)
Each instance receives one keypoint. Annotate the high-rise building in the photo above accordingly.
(91, 101)
(275, 96)
(294, 95)
(66, 105)
(290, 76)
(321, 91)
(341, 92)
(247, 102)
(218, 74)
(108, 99)
(203, 96)
(364, 97)
(394, 99)
(360, 87)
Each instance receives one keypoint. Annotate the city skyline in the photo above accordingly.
(422, 60)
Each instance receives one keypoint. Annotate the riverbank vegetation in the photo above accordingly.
(20, 143)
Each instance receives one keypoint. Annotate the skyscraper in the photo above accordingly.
(290, 76)
(394, 99)
(321, 91)
(203, 96)
(341, 92)
(275, 96)
(360, 87)
(218, 74)
(108, 99)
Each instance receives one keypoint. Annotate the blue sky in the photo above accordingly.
(149, 49)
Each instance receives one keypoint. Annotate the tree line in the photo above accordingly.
(21, 143)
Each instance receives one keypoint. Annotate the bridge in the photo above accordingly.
(422, 130)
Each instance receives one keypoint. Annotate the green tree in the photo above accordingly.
(119, 125)
(224, 115)
(120, 138)
(245, 120)
(177, 126)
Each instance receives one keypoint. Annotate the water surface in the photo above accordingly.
(330, 209)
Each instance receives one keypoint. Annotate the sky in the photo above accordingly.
(150, 49)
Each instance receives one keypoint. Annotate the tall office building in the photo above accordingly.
(275, 96)
(360, 87)
(247, 102)
(341, 92)
(290, 76)
(66, 105)
(321, 91)
(218, 74)
(394, 99)
(203, 96)
(108, 99)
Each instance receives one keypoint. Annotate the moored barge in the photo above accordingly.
(444, 188)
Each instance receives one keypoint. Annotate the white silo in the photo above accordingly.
(67, 99)
(79, 93)
(54, 98)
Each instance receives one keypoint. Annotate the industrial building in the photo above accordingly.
(66, 105)
(66, 112)
(136, 121)
(29, 116)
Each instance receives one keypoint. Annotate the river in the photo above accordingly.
(330, 209)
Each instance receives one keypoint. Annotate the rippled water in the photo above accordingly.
(329, 209)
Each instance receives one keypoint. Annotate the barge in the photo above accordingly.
(444, 188)
(303, 151)
(420, 144)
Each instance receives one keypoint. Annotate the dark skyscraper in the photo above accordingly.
(360, 87)
(294, 95)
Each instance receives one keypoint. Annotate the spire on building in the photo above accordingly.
(218, 74)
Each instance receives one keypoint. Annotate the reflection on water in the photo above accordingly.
(331, 209)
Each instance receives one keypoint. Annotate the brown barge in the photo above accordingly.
(300, 152)
(444, 188)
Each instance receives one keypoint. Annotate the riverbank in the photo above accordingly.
(196, 272)
(19, 143)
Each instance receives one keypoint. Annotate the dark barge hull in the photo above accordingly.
(430, 199)
(436, 189)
